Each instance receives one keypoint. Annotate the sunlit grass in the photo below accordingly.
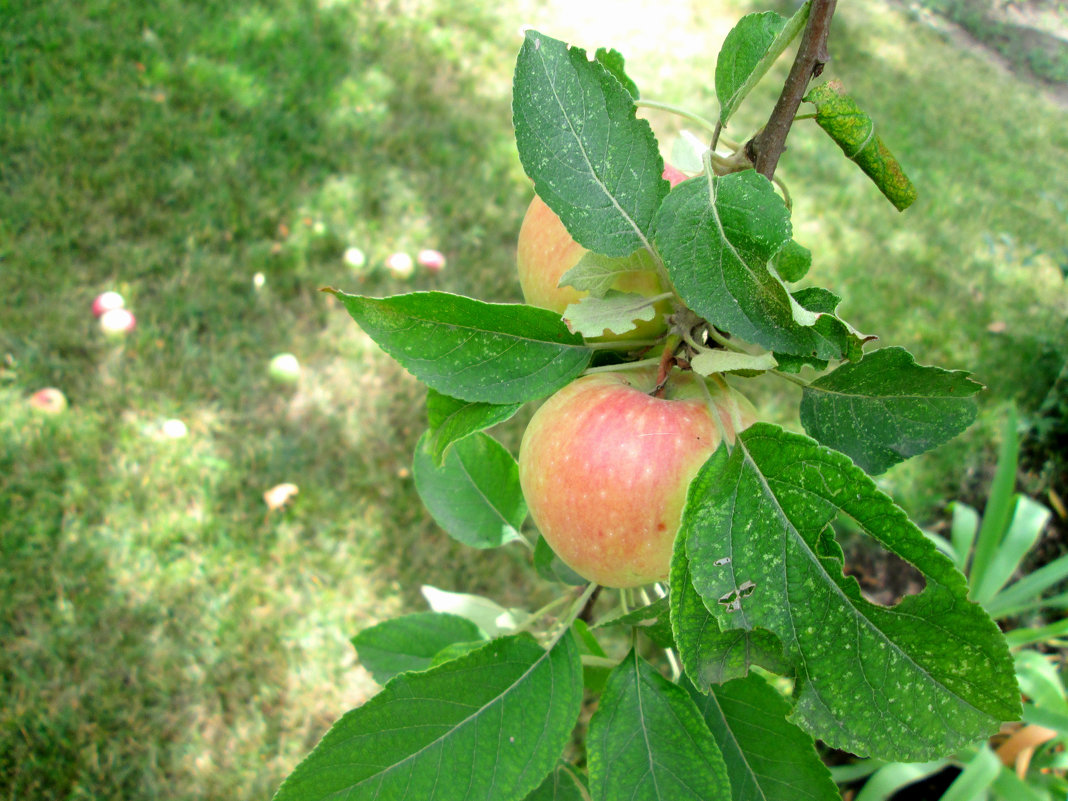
(166, 636)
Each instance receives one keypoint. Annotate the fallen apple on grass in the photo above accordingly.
(284, 368)
(49, 401)
(106, 301)
(546, 251)
(400, 265)
(117, 323)
(604, 466)
(433, 261)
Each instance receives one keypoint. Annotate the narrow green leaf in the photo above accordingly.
(768, 758)
(962, 533)
(613, 61)
(710, 655)
(976, 778)
(908, 682)
(998, 510)
(410, 642)
(648, 742)
(652, 620)
(592, 160)
(890, 778)
(1017, 638)
(493, 352)
(716, 236)
(597, 274)
(853, 131)
(1028, 520)
(886, 408)
(452, 419)
(748, 52)
(488, 726)
(475, 496)
(563, 784)
(616, 312)
(1027, 592)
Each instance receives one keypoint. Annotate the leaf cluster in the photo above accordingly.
(484, 706)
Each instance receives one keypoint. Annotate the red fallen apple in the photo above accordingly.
(604, 467)
(116, 323)
(48, 400)
(106, 301)
(431, 260)
(546, 251)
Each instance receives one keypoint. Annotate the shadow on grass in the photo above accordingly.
(172, 152)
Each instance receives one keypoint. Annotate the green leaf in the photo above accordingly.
(488, 615)
(708, 654)
(886, 408)
(616, 312)
(493, 352)
(613, 61)
(743, 48)
(1000, 502)
(792, 262)
(727, 361)
(748, 52)
(597, 274)
(410, 642)
(563, 784)
(908, 682)
(888, 779)
(768, 758)
(648, 742)
(452, 419)
(976, 778)
(475, 496)
(488, 726)
(551, 567)
(653, 620)
(1028, 520)
(716, 236)
(592, 160)
(455, 651)
(853, 131)
(962, 533)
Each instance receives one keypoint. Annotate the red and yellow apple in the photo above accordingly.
(546, 251)
(604, 467)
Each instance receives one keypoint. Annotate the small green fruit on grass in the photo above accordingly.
(604, 467)
(284, 368)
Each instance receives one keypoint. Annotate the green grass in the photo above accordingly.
(164, 636)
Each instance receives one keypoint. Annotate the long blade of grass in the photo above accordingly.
(1028, 520)
(1025, 593)
(999, 505)
(1009, 785)
(976, 778)
(1021, 637)
(962, 533)
(890, 778)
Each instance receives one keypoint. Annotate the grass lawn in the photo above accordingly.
(165, 635)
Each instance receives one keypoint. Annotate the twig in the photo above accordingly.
(767, 146)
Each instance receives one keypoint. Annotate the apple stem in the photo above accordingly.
(577, 607)
(767, 147)
(667, 361)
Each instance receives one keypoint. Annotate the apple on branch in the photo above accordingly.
(546, 251)
(605, 464)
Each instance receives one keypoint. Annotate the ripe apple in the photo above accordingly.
(400, 265)
(116, 323)
(431, 260)
(284, 368)
(604, 467)
(48, 400)
(546, 251)
(106, 301)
